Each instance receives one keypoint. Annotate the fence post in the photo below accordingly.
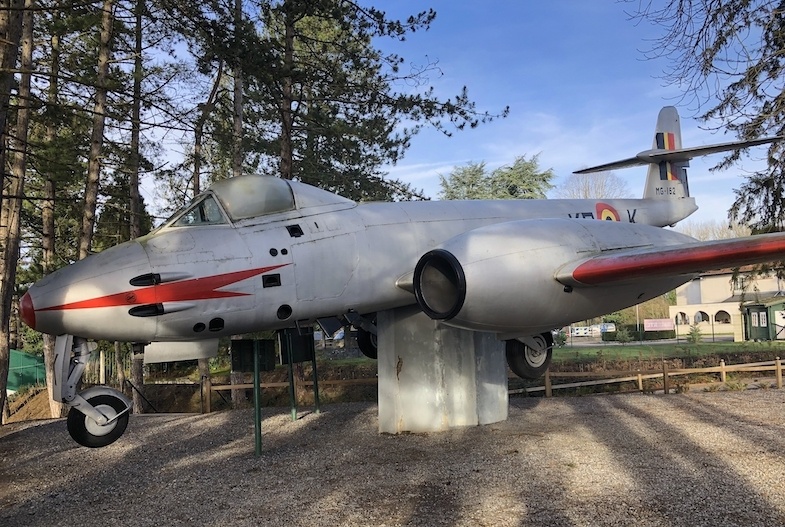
(778, 372)
(666, 385)
(548, 390)
(640, 382)
(722, 370)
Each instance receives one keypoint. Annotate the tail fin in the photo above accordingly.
(668, 161)
(667, 179)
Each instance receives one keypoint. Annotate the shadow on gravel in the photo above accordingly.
(766, 436)
(164, 470)
(557, 462)
(677, 475)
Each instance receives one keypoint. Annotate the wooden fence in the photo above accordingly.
(596, 378)
(612, 377)
(207, 387)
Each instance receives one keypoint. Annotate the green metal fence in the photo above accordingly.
(25, 370)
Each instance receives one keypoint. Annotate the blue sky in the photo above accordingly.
(578, 85)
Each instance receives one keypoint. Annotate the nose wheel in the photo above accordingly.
(98, 415)
(90, 433)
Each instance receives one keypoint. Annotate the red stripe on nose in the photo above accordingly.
(27, 310)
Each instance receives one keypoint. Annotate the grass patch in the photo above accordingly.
(637, 351)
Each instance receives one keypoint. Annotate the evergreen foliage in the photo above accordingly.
(695, 335)
(729, 60)
(522, 180)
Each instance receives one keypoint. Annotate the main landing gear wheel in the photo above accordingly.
(529, 361)
(367, 341)
(87, 432)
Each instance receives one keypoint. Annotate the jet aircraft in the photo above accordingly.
(255, 252)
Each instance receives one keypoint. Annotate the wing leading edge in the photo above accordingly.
(686, 259)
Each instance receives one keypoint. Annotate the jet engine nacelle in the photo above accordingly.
(501, 278)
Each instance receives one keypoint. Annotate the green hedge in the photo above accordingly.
(610, 336)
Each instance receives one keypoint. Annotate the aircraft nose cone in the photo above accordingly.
(27, 310)
(89, 298)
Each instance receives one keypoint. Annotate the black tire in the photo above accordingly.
(367, 341)
(528, 363)
(88, 433)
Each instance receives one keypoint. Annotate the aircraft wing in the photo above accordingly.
(691, 258)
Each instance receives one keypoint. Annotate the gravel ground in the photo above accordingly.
(692, 459)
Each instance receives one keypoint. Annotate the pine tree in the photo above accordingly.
(522, 180)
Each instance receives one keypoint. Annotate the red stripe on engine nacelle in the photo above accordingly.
(682, 260)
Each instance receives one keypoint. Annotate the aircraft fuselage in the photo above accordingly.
(186, 282)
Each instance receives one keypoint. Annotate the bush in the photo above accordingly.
(623, 335)
(736, 386)
(695, 334)
(632, 330)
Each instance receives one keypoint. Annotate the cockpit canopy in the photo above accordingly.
(250, 196)
(245, 197)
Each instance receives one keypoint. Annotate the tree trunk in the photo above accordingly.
(287, 100)
(10, 34)
(56, 408)
(10, 213)
(136, 125)
(137, 378)
(137, 364)
(48, 232)
(237, 129)
(206, 384)
(119, 366)
(205, 111)
(97, 137)
(238, 396)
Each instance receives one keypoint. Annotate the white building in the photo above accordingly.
(714, 301)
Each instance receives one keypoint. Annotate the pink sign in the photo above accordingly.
(657, 324)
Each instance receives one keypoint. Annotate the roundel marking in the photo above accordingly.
(606, 212)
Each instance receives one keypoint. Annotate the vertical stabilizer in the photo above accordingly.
(666, 182)
(667, 179)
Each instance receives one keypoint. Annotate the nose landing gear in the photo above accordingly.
(98, 415)
(89, 432)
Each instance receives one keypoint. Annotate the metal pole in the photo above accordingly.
(257, 400)
(292, 395)
(315, 383)
(638, 325)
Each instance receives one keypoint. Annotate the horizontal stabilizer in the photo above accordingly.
(687, 259)
(658, 155)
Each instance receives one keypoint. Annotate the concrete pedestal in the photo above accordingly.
(433, 377)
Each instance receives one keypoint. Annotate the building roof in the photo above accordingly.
(766, 299)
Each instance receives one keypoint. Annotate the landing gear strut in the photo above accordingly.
(367, 338)
(366, 332)
(98, 415)
(529, 357)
